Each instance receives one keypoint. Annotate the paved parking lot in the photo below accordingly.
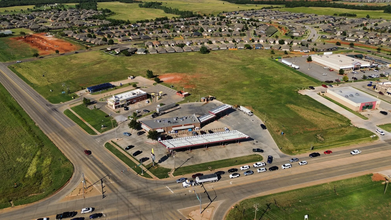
(324, 74)
(235, 120)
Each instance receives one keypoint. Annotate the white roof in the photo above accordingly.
(339, 61)
(205, 139)
(206, 117)
(353, 95)
(220, 109)
(127, 95)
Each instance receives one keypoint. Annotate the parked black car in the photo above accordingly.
(315, 154)
(96, 215)
(129, 147)
(232, 170)
(137, 153)
(384, 112)
(273, 168)
(263, 126)
(142, 160)
(259, 150)
(270, 159)
(311, 87)
(66, 215)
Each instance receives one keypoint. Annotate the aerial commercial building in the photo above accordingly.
(127, 98)
(353, 98)
(339, 61)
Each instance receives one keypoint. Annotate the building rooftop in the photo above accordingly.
(339, 61)
(353, 95)
(206, 117)
(166, 122)
(205, 139)
(220, 109)
(127, 95)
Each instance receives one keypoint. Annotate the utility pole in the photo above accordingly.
(256, 210)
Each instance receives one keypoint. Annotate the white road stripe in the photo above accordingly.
(169, 189)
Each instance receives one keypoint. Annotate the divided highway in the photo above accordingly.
(128, 196)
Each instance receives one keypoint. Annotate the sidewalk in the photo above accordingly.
(98, 133)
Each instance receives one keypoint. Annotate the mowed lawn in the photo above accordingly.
(31, 166)
(95, 117)
(332, 11)
(131, 11)
(242, 77)
(356, 198)
(14, 50)
(207, 6)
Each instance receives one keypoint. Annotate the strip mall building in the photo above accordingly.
(127, 98)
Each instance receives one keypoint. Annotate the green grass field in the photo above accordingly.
(242, 77)
(131, 11)
(218, 164)
(16, 8)
(14, 50)
(95, 117)
(158, 171)
(332, 11)
(356, 198)
(125, 159)
(27, 157)
(79, 122)
(207, 6)
(386, 127)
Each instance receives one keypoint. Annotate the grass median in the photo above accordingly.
(346, 108)
(218, 164)
(158, 171)
(125, 159)
(355, 198)
(386, 127)
(95, 117)
(79, 122)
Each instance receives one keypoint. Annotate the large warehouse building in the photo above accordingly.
(127, 98)
(353, 98)
(171, 124)
(339, 61)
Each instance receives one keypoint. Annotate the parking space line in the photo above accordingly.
(169, 189)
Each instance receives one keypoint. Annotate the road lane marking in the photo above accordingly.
(169, 189)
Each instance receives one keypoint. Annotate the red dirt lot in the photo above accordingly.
(378, 177)
(177, 78)
(46, 44)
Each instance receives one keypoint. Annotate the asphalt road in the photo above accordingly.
(130, 197)
(313, 35)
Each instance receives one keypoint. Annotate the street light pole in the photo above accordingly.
(199, 199)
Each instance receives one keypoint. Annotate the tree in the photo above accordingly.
(204, 50)
(111, 42)
(309, 59)
(149, 74)
(248, 46)
(126, 53)
(338, 43)
(134, 124)
(157, 80)
(201, 30)
(368, 16)
(364, 77)
(281, 41)
(378, 49)
(22, 33)
(343, 33)
(341, 72)
(272, 51)
(153, 135)
(285, 52)
(104, 39)
(345, 78)
(57, 51)
(36, 55)
(351, 44)
(86, 101)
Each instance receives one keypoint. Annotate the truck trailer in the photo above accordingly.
(200, 180)
(246, 110)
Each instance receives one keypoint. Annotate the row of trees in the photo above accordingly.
(175, 11)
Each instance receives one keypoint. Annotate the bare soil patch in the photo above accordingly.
(378, 177)
(178, 78)
(47, 44)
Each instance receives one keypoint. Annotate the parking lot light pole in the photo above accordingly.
(199, 199)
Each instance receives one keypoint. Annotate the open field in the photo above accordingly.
(131, 11)
(95, 117)
(356, 198)
(386, 127)
(79, 122)
(332, 11)
(16, 8)
(242, 77)
(16, 31)
(218, 164)
(125, 159)
(207, 6)
(31, 166)
(14, 50)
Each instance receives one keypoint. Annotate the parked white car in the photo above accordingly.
(245, 167)
(302, 163)
(86, 210)
(355, 152)
(261, 170)
(286, 166)
(259, 164)
(380, 132)
(234, 175)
